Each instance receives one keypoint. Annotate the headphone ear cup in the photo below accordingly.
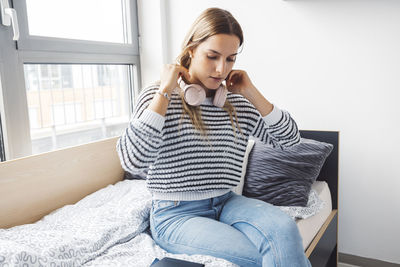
(193, 94)
(220, 96)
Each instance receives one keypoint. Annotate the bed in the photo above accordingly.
(72, 207)
(322, 251)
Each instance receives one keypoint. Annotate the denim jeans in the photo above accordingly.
(245, 231)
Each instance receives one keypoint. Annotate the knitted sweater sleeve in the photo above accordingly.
(277, 129)
(138, 146)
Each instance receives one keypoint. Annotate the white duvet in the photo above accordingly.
(106, 228)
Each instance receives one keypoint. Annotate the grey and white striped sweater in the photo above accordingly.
(181, 164)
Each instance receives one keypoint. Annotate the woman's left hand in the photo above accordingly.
(238, 82)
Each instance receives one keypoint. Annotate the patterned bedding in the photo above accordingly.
(106, 228)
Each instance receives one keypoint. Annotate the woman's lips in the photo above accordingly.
(216, 79)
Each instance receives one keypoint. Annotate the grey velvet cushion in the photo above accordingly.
(284, 177)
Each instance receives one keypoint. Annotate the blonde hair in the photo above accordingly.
(211, 21)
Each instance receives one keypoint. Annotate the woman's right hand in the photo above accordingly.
(169, 77)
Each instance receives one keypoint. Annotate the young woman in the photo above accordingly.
(194, 153)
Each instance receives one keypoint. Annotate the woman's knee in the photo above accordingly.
(279, 221)
(288, 226)
(269, 220)
(258, 212)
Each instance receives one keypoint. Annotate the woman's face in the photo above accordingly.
(213, 60)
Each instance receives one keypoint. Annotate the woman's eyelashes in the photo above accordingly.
(227, 59)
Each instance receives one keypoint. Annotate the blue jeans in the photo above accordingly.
(245, 231)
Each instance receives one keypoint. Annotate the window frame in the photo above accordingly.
(50, 50)
(2, 149)
(28, 42)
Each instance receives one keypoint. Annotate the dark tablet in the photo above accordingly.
(170, 262)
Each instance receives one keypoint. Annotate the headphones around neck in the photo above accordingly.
(195, 94)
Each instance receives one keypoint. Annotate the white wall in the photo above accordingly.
(150, 40)
(335, 65)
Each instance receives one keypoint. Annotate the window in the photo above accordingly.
(71, 79)
(2, 150)
(104, 23)
(98, 100)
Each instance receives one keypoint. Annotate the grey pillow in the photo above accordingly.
(284, 177)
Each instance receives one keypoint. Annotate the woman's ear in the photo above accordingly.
(191, 52)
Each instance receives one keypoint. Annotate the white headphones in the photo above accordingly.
(195, 94)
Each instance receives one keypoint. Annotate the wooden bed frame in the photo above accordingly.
(323, 249)
(34, 186)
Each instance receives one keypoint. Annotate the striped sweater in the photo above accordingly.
(181, 164)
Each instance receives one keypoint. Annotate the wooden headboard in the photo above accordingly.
(330, 169)
(34, 186)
